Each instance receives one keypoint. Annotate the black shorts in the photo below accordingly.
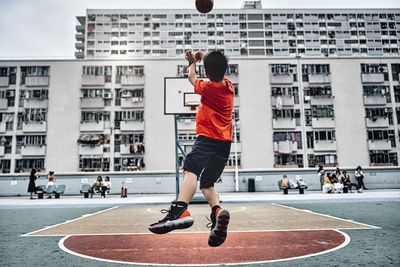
(207, 160)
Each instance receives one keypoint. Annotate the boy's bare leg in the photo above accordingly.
(211, 195)
(188, 188)
(219, 218)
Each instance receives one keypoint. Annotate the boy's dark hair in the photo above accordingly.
(215, 64)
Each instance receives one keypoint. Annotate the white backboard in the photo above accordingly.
(178, 95)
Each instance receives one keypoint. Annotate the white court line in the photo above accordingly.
(331, 217)
(345, 243)
(69, 221)
(205, 232)
(240, 209)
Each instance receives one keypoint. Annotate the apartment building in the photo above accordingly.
(312, 87)
(250, 32)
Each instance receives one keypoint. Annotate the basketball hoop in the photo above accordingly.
(192, 105)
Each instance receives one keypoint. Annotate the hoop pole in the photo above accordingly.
(177, 146)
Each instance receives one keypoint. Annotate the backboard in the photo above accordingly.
(179, 96)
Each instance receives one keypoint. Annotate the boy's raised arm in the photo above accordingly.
(192, 67)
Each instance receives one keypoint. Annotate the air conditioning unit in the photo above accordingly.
(117, 124)
(307, 112)
(107, 95)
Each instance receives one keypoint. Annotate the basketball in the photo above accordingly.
(199, 56)
(204, 6)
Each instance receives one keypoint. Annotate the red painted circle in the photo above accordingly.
(192, 248)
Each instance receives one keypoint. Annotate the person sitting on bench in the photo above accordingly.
(97, 186)
(51, 183)
(347, 183)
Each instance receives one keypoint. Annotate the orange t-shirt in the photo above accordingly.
(214, 114)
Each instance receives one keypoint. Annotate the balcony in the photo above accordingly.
(2, 151)
(374, 100)
(285, 147)
(34, 127)
(4, 81)
(3, 127)
(372, 77)
(79, 46)
(93, 80)
(321, 100)
(90, 150)
(79, 54)
(321, 123)
(36, 103)
(132, 126)
(132, 80)
(92, 103)
(92, 126)
(80, 37)
(3, 103)
(132, 102)
(284, 123)
(33, 151)
(281, 79)
(287, 101)
(319, 78)
(80, 28)
(377, 122)
(379, 145)
(320, 146)
(37, 81)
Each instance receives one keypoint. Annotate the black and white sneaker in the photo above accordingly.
(219, 227)
(177, 218)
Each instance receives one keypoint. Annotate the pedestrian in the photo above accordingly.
(210, 151)
(360, 178)
(321, 174)
(32, 186)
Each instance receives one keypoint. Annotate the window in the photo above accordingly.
(22, 165)
(383, 158)
(288, 160)
(382, 135)
(288, 136)
(324, 160)
(131, 115)
(94, 116)
(322, 111)
(324, 135)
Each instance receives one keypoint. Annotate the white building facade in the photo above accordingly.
(313, 87)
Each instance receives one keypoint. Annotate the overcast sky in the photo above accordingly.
(46, 28)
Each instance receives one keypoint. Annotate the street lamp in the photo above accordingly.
(235, 123)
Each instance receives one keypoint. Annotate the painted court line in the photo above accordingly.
(345, 243)
(69, 221)
(329, 216)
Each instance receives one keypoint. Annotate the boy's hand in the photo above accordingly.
(190, 57)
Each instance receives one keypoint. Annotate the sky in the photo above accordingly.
(46, 28)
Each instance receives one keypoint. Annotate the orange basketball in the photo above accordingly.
(204, 6)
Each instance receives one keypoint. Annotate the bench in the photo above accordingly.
(86, 189)
(57, 190)
(297, 186)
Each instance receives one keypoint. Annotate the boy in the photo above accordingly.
(210, 151)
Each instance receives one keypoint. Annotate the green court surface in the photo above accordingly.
(367, 247)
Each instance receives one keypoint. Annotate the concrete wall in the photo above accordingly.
(164, 181)
(255, 111)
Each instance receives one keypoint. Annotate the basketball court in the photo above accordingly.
(258, 233)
